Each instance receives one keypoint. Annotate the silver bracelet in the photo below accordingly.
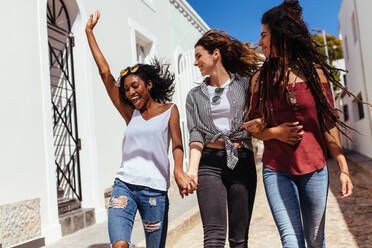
(344, 172)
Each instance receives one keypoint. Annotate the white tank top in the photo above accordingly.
(145, 151)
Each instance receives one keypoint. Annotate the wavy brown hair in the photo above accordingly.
(237, 57)
(295, 49)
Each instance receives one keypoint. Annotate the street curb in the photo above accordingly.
(182, 224)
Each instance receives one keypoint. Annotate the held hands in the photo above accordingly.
(185, 183)
(254, 126)
(92, 21)
(289, 132)
(346, 185)
(195, 184)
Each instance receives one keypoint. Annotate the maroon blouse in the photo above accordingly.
(309, 154)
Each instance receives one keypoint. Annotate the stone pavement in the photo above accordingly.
(348, 221)
(96, 236)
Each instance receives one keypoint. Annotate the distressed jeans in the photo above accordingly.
(219, 186)
(152, 205)
(295, 197)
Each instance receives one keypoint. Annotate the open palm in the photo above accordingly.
(92, 21)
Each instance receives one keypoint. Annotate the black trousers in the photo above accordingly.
(219, 186)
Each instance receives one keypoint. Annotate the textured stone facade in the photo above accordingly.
(20, 222)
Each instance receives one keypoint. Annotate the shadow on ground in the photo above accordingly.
(357, 210)
(103, 245)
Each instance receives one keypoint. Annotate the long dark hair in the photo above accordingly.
(160, 76)
(292, 47)
(237, 57)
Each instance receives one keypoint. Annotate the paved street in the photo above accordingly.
(348, 221)
(96, 236)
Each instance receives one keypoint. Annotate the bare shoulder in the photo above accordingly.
(321, 74)
(174, 118)
(174, 110)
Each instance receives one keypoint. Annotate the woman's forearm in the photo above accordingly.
(100, 60)
(335, 148)
(195, 155)
(266, 134)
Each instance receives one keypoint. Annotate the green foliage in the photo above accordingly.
(334, 46)
(334, 51)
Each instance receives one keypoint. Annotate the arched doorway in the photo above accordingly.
(187, 77)
(63, 99)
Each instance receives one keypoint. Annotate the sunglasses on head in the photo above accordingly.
(125, 72)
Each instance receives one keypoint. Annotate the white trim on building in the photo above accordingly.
(191, 15)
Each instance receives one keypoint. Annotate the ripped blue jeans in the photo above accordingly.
(152, 205)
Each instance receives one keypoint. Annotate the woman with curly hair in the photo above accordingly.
(221, 157)
(292, 93)
(141, 95)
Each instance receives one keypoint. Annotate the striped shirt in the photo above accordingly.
(200, 122)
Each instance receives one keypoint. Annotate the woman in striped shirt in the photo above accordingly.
(221, 158)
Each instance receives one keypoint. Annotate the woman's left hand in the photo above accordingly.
(184, 182)
(346, 185)
(254, 126)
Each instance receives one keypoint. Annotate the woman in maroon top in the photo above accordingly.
(292, 93)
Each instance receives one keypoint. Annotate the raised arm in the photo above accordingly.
(125, 109)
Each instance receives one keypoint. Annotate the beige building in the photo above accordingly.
(355, 29)
(61, 137)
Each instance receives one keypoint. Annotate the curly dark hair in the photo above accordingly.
(237, 57)
(295, 49)
(160, 76)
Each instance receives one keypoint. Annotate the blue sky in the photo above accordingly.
(241, 18)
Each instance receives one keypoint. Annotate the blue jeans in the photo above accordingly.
(152, 205)
(295, 197)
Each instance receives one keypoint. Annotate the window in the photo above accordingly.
(143, 48)
(140, 53)
(143, 43)
(360, 107)
(345, 80)
(346, 112)
(179, 65)
(346, 50)
(355, 28)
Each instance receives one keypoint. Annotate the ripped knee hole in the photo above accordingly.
(118, 202)
(152, 226)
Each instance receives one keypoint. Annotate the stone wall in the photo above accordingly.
(19, 222)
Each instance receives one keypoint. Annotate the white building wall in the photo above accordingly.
(27, 168)
(358, 61)
(22, 132)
